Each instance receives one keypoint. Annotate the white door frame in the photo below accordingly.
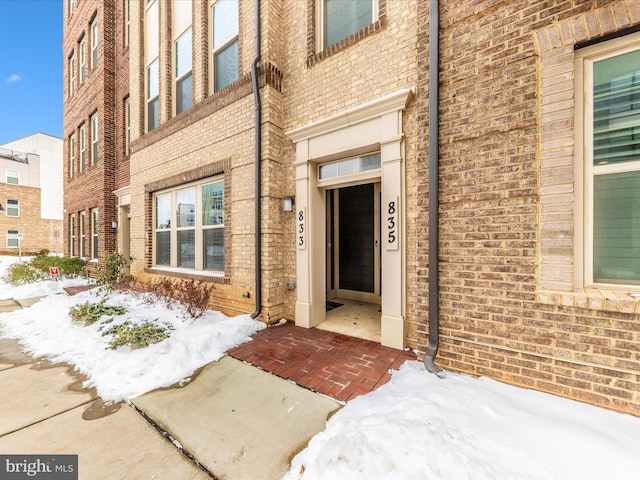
(376, 125)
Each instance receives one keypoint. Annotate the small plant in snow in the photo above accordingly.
(136, 336)
(89, 313)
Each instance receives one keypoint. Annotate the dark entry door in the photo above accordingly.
(356, 238)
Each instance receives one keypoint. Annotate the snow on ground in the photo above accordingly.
(417, 426)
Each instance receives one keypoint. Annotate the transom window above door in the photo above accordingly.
(349, 166)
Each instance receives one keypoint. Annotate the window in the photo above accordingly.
(83, 235)
(13, 177)
(610, 73)
(127, 123)
(189, 226)
(94, 44)
(184, 82)
(94, 233)
(72, 6)
(340, 18)
(83, 148)
(13, 239)
(72, 74)
(72, 235)
(349, 166)
(72, 156)
(13, 208)
(83, 65)
(127, 21)
(153, 95)
(225, 43)
(94, 139)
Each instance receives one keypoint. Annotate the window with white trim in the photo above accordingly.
(94, 139)
(183, 75)
(127, 123)
(338, 19)
(72, 235)
(94, 233)
(72, 74)
(226, 56)
(127, 21)
(94, 43)
(12, 238)
(83, 235)
(152, 63)
(189, 226)
(72, 156)
(83, 148)
(83, 62)
(609, 75)
(13, 176)
(13, 208)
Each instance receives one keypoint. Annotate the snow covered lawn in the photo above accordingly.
(417, 426)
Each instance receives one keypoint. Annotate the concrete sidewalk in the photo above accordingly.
(232, 421)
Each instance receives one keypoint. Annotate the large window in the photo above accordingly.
(226, 61)
(94, 139)
(189, 226)
(340, 18)
(13, 208)
(611, 115)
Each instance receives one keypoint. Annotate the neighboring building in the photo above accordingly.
(96, 148)
(31, 194)
(534, 288)
(539, 191)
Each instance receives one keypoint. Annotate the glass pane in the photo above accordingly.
(187, 248)
(12, 176)
(370, 162)
(153, 80)
(344, 17)
(214, 249)
(329, 170)
(225, 22)
(163, 211)
(226, 66)
(213, 204)
(163, 248)
(616, 109)
(184, 93)
(183, 54)
(616, 228)
(186, 208)
(153, 114)
(95, 246)
(345, 167)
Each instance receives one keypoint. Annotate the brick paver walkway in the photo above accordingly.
(333, 364)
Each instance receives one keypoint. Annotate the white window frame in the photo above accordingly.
(13, 235)
(83, 60)
(178, 77)
(94, 139)
(11, 174)
(127, 123)
(83, 148)
(83, 235)
(152, 62)
(72, 234)
(72, 155)
(321, 23)
(72, 74)
(94, 233)
(127, 22)
(215, 50)
(198, 226)
(94, 43)
(15, 206)
(585, 170)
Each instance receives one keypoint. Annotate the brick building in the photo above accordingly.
(530, 288)
(539, 265)
(31, 194)
(96, 156)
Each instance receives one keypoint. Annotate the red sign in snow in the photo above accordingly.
(54, 272)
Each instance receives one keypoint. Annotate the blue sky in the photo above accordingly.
(30, 68)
